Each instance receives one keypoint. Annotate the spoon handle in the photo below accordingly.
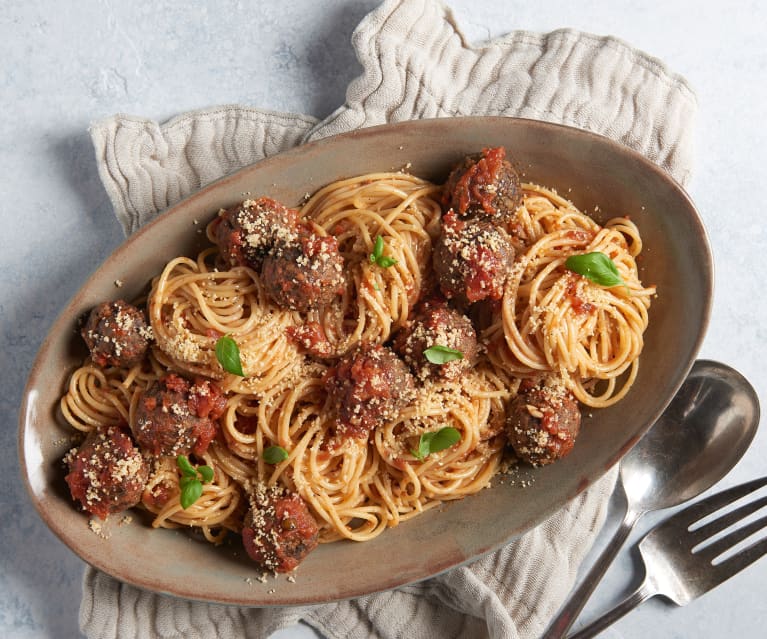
(581, 594)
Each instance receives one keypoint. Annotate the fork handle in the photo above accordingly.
(641, 594)
(580, 595)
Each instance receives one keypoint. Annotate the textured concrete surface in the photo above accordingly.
(61, 69)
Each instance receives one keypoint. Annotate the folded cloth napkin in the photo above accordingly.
(417, 64)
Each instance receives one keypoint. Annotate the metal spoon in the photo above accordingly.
(700, 436)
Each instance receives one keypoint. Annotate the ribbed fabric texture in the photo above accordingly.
(419, 65)
(147, 167)
(416, 64)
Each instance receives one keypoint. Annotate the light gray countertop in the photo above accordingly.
(61, 68)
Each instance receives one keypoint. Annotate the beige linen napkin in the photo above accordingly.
(417, 64)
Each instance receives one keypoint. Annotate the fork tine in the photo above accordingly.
(709, 505)
(715, 549)
(733, 565)
(710, 529)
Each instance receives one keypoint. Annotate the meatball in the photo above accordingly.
(543, 423)
(116, 334)
(278, 530)
(484, 185)
(311, 337)
(176, 417)
(438, 325)
(369, 386)
(107, 473)
(304, 274)
(245, 233)
(472, 259)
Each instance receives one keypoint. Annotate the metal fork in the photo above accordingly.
(680, 564)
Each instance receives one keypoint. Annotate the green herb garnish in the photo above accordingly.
(436, 441)
(442, 354)
(275, 455)
(597, 267)
(192, 480)
(228, 355)
(377, 256)
(191, 491)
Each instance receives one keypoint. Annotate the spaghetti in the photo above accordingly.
(403, 210)
(549, 322)
(554, 321)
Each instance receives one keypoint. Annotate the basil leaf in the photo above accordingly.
(274, 455)
(442, 354)
(423, 447)
(436, 441)
(386, 262)
(377, 256)
(206, 472)
(444, 438)
(228, 355)
(378, 248)
(597, 267)
(185, 467)
(190, 492)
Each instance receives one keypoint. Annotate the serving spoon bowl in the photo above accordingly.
(697, 440)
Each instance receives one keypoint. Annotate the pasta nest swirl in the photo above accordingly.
(554, 321)
(404, 211)
(192, 304)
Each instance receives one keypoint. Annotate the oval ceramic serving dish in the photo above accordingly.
(591, 170)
